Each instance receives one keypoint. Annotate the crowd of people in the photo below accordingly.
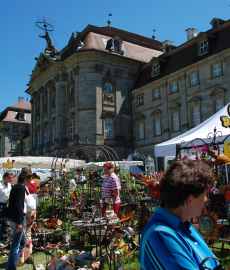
(168, 241)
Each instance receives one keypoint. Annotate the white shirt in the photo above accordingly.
(4, 191)
(83, 178)
(72, 184)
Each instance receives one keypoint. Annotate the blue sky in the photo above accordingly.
(20, 43)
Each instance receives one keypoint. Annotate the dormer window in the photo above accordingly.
(203, 43)
(21, 116)
(115, 45)
(155, 69)
(216, 22)
(203, 47)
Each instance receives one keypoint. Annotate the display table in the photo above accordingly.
(95, 229)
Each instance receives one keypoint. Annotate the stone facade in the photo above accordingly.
(14, 123)
(182, 87)
(84, 91)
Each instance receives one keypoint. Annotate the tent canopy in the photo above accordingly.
(38, 162)
(220, 121)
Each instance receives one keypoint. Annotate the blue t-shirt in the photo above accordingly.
(168, 243)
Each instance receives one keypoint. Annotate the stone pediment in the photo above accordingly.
(43, 64)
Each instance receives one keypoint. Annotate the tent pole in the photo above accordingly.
(156, 162)
(226, 173)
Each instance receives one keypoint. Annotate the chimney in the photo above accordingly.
(20, 99)
(165, 43)
(191, 33)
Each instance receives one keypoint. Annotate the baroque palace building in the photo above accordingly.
(83, 90)
(182, 87)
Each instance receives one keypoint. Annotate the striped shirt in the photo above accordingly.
(168, 243)
(110, 183)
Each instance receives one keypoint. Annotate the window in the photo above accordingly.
(38, 141)
(141, 131)
(14, 145)
(219, 104)
(38, 107)
(140, 100)
(71, 131)
(53, 98)
(216, 70)
(45, 137)
(196, 116)
(53, 134)
(174, 87)
(157, 126)
(116, 46)
(203, 46)
(193, 79)
(155, 69)
(156, 94)
(176, 121)
(71, 91)
(45, 102)
(15, 129)
(21, 116)
(28, 144)
(108, 128)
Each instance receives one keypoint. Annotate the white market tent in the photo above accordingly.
(38, 162)
(201, 131)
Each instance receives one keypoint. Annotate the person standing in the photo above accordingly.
(111, 187)
(30, 218)
(169, 241)
(5, 188)
(17, 202)
(72, 184)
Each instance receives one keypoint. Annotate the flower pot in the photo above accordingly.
(63, 245)
(51, 246)
(73, 253)
(66, 237)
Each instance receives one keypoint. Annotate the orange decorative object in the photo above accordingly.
(227, 194)
(218, 159)
(154, 191)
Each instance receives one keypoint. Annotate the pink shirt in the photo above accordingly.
(110, 183)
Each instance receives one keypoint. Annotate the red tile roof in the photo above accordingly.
(94, 41)
(21, 105)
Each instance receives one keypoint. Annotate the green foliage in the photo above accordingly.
(69, 176)
(44, 207)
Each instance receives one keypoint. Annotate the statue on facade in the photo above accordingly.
(49, 45)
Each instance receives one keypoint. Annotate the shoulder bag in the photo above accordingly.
(31, 201)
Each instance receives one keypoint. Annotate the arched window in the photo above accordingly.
(53, 134)
(108, 128)
(71, 91)
(53, 98)
(45, 102)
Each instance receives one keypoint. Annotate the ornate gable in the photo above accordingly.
(43, 64)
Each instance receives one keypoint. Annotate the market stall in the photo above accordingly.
(220, 121)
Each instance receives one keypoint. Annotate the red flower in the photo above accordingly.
(48, 224)
(56, 225)
(53, 220)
